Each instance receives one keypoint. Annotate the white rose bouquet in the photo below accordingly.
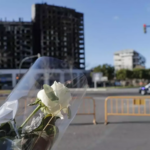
(53, 101)
(38, 111)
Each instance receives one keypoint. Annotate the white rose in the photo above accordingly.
(62, 93)
(53, 105)
(45, 100)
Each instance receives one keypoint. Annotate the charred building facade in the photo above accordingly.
(59, 32)
(15, 44)
(54, 31)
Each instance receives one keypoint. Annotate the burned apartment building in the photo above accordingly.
(15, 44)
(54, 31)
(59, 32)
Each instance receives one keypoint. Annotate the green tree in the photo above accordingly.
(124, 74)
(140, 73)
(106, 69)
(147, 74)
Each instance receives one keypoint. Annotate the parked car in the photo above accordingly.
(145, 89)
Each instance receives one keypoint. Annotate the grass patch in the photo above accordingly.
(5, 91)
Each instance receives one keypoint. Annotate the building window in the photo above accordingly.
(52, 31)
(5, 47)
(65, 39)
(81, 65)
(65, 49)
(81, 56)
(82, 61)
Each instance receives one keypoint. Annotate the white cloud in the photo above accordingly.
(116, 17)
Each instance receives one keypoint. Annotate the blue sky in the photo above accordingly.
(110, 25)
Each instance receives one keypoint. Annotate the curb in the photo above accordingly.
(3, 95)
(82, 89)
(104, 89)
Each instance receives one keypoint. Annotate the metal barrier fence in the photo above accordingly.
(127, 106)
(85, 108)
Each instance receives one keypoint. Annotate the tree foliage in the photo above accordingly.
(137, 73)
(106, 69)
(122, 74)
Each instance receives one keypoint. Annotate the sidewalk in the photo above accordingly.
(5, 93)
(105, 89)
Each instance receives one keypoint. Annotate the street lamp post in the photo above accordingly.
(38, 55)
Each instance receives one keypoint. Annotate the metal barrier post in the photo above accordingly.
(94, 109)
(94, 119)
(106, 111)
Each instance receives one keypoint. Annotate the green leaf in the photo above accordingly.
(53, 130)
(69, 113)
(50, 93)
(6, 129)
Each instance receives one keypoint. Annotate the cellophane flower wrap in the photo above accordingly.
(42, 105)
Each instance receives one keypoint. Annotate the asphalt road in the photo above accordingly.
(122, 133)
(114, 92)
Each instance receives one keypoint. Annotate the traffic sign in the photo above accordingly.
(97, 76)
(104, 79)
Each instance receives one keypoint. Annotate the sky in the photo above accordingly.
(109, 25)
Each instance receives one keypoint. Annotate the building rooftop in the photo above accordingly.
(125, 51)
(20, 21)
(57, 7)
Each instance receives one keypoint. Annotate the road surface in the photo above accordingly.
(123, 133)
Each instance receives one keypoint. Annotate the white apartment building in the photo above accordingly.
(128, 59)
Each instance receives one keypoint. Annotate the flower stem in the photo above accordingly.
(35, 110)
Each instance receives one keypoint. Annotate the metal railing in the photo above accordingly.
(86, 109)
(127, 106)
